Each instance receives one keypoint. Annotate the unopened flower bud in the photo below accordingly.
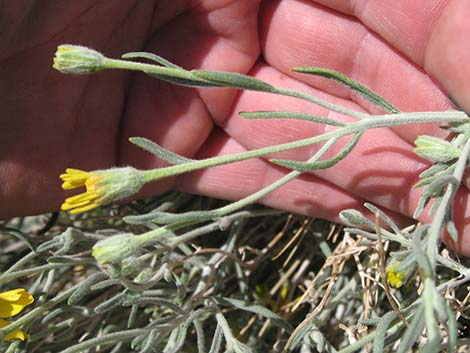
(435, 149)
(77, 59)
(116, 248)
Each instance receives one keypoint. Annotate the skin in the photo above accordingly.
(414, 53)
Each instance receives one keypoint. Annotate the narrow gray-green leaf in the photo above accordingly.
(291, 115)
(149, 342)
(381, 331)
(254, 308)
(432, 346)
(235, 80)
(306, 166)
(434, 190)
(184, 81)
(299, 335)
(176, 339)
(85, 287)
(423, 261)
(131, 320)
(150, 56)
(413, 330)
(382, 215)
(358, 88)
(216, 340)
(200, 336)
(240, 347)
(159, 151)
(19, 235)
(422, 203)
(106, 339)
(111, 303)
(452, 230)
(452, 331)
(434, 169)
(167, 218)
(156, 302)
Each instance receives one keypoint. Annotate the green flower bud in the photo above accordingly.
(116, 248)
(435, 149)
(76, 59)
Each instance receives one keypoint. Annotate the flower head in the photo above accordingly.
(395, 278)
(77, 59)
(102, 186)
(12, 303)
(435, 149)
(116, 248)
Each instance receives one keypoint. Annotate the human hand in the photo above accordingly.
(52, 121)
(382, 169)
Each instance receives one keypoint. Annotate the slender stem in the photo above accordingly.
(195, 233)
(179, 73)
(176, 73)
(151, 236)
(278, 183)
(237, 157)
(361, 125)
(366, 121)
(388, 120)
(322, 103)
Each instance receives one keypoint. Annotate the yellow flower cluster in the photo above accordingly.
(102, 186)
(12, 303)
(92, 198)
(395, 278)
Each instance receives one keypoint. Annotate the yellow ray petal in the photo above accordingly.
(16, 334)
(14, 301)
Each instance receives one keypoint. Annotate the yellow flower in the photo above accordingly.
(74, 178)
(395, 278)
(77, 59)
(102, 186)
(12, 303)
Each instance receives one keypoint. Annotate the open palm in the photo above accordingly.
(410, 52)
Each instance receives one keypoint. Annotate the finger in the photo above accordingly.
(307, 195)
(382, 168)
(52, 121)
(373, 62)
(432, 33)
(302, 33)
(209, 36)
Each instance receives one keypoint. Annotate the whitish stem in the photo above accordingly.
(372, 122)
